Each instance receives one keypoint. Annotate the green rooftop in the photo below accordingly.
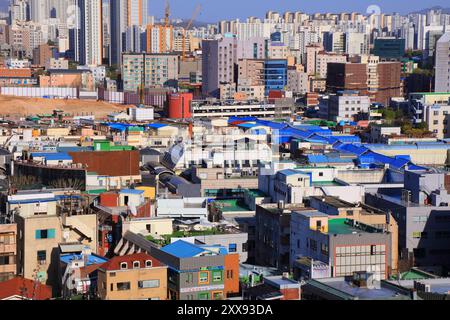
(325, 184)
(231, 205)
(345, 226)
(413, 274)
(96, 192)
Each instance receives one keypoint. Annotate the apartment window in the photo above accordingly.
(217, 295)
(436, 113)
(189, 278)
(148, 263)
(373, 250)
(41, 256)
(229, 274)
(123, 266)
(318, 224)
(320, 174)
(203, 277)
(148, 284)
(123, 286)
(349, 212)
(232, 247)
(112, 274)
(203, 296)
(217, 276)
(111, 287)
(136, 265)
(45, 234)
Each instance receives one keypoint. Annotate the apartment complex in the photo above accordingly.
(151, 70)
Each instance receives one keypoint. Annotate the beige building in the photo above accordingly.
(297, 82)
(148, 226)
(251, 72)
(437, 119)
(133, 277)
(322, 61)
(8, 251)
(252, 92)
(337, 208)
(41, 227)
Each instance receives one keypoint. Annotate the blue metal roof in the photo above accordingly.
(235, 119)
(92, 259)
(366, 154)
(289, 172)
(247, 125)
(183, 249)
(321, 158)
(132, 191)
(157, 125)
(25, 201)
(353, 148)
(51, 155)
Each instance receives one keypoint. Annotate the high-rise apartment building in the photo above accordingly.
(159, 39)
(219, 57)
(88, 39)
(442, 83)
(124, 14)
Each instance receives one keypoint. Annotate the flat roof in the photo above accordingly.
(344, 226)
(232, 205)
(347, 288)
(92, 259)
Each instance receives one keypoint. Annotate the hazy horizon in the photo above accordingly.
(216, 10)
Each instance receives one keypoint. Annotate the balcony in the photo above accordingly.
(8, 268)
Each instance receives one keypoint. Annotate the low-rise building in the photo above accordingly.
(274, 288)
(133, 277)
(199, 272)
(8, 251)
(273, 231)
(345, 245)
(363, 286)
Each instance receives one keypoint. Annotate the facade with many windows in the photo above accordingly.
(153, 70)
(345, 245)
(132, 277)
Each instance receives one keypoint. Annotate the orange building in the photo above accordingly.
(231, 279)
(15, 73)
(159, 39)
(133, 277)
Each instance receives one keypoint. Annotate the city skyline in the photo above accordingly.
(213, 10)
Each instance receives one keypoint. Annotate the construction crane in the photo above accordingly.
(166, 26)
(197, 10)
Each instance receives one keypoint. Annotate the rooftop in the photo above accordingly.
(92, 258)
(345, 289)
(25, 288)
(182, 249)
(347, 226)
(115, 263)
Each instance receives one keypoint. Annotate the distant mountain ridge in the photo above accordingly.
(424, 11)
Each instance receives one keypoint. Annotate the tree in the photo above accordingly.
(112, 72)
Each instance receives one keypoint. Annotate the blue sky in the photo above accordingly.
(214, 10)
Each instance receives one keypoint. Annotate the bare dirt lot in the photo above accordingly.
(11, 107)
